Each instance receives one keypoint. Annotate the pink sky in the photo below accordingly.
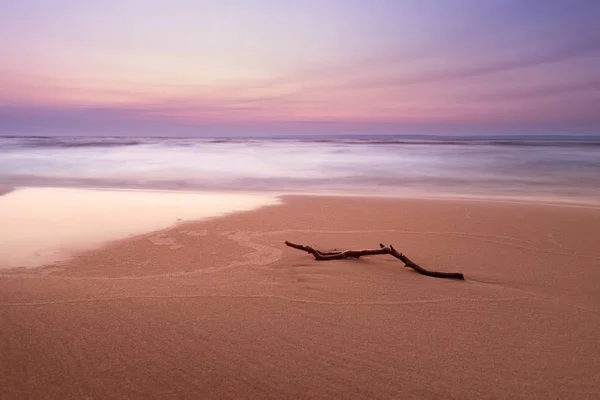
(233, 67)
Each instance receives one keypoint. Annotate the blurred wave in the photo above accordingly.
(555, 166)
(74, 141)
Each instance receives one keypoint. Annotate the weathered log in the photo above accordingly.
(340, 255)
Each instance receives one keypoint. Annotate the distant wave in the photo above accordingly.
(74, 142)
(63, 142)
(458, 142)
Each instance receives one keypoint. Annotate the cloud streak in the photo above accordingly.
(540, 92)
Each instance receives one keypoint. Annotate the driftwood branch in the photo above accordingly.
(410, 264)
(340, 255)
(337, 255)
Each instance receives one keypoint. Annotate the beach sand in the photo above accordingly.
(222, 309)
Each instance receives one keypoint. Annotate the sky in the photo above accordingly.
(279, 67)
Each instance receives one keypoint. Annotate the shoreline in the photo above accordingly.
(532, 200)
(70, 247)
(415, 195)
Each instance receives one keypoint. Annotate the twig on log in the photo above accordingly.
(340, 255)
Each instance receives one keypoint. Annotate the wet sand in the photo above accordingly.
(223, 309)
(44, 225)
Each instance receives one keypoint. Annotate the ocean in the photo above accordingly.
(551, 167)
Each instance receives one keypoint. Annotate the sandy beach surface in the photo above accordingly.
(222, 309)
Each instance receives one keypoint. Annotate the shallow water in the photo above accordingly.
(44, 225)
(512, 167)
